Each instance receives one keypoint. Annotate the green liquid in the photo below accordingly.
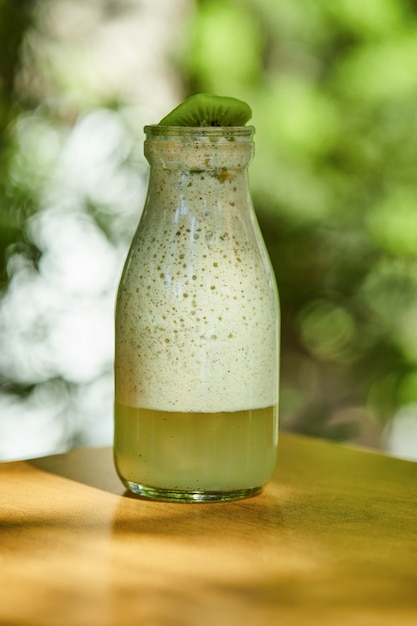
(195, 452)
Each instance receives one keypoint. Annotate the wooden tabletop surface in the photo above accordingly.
(332, 540)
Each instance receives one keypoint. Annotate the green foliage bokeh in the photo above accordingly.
(333, 88)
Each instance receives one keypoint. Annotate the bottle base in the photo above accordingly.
(173, 495)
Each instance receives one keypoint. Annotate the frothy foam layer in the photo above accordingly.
(197, 312)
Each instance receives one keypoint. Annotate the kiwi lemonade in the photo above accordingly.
(212, 452)
(196, 362)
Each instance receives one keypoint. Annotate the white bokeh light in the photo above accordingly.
(89, 179)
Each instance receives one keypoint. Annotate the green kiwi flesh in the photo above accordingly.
(204, 109)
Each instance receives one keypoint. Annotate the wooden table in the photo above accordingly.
(332, 540)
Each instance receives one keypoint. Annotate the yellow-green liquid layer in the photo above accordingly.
(191, 452)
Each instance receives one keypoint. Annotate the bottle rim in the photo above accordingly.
(156, 130)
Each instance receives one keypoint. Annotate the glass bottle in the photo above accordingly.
(197, 327)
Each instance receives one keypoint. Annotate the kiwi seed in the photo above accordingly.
(204, 109)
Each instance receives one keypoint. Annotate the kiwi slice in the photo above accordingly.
(204, 109)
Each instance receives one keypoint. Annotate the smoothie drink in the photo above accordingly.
(196, 366)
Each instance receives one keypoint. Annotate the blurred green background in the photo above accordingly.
(333, 88)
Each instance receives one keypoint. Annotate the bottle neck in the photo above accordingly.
(221, 193)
